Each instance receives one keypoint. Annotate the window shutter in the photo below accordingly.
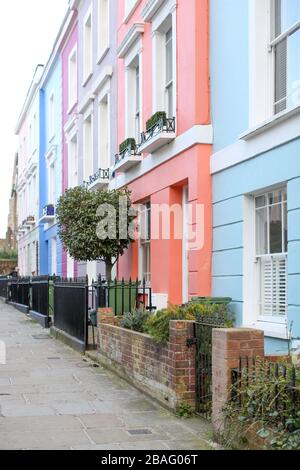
(280, 76)
(274, 285)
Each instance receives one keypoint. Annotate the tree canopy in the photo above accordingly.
(96, 225)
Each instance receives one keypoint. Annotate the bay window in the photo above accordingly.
(271, 254)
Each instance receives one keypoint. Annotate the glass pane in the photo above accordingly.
(275, 197)
(288, 13)
(137, 89)
(170, 101)
(280, 76)
(293, 69)
(260, 201)
(285, 230)
(276, 229)
(169, 56)
(261, 231)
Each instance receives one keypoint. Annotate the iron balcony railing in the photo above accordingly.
(167, 125)
(49, 211)
(101, 174)
(129, 151)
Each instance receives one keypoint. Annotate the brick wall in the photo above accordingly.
(228, 346)
(7, 266)
(166, 372)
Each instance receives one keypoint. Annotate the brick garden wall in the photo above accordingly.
(7, 266)
(166, 372)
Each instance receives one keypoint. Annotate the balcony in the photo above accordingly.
(48, 215)
(161, 133)
(99, 180)
(128, 158)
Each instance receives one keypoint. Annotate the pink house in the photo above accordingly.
(69, 116)
(164, 67)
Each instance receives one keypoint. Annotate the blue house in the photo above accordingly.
(255, 85)
(50, 165)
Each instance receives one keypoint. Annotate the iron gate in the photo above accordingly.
(203, 340)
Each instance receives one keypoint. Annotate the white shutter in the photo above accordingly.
(273, 270)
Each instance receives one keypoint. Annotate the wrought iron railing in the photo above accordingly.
(129, 151)
(163, 125)
(101, 174)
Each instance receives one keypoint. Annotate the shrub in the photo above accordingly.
(8, 255)
(127, 143)
(185, 410)
(261, 403)
(155, 118)
(158, 325)
(135, 320)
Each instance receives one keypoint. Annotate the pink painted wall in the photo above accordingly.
(192, 167)
(71, 41)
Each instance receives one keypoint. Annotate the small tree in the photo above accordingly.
(96, 225)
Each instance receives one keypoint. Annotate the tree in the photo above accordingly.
(96, 225)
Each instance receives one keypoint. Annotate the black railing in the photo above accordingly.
(282, 380)
(129, 151)
(39, 295)
(19, 291)
(101, 174)
(71, 308)
(3, 287)
(167, 125)
(122, 296)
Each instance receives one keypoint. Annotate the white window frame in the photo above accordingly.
(72, 81)
(144, 244)
(272, 46)
(51, 158)
(132, 61)
(130, 6)
(164, 19)
(103, 28)
(104, 100)
(88, 167)
(273, 326)
(73, 164)
(87, 66)
(51, 116)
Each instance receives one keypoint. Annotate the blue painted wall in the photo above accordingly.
(52, 84)
(230, 117)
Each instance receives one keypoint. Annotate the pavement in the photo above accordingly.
(52, 398)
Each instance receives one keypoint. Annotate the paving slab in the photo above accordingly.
(53, 398)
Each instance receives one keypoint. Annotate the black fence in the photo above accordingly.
(3, 287)
(122, 296)
(281, 381)
(19, 291)
(71, 309)
(39, 299)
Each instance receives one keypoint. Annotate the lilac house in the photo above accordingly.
(97, 98)
(70, 177)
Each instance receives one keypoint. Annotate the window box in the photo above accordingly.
(162, 132)
(48, 215)
(128, 156)
(99, 180)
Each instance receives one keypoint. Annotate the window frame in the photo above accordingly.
(274, 42)
(72, 86)
(145, 243)
(259, 258)
(87, 70)
(102, 50)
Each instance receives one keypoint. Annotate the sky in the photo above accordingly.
(27, 33)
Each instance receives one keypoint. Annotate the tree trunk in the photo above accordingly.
(108, 269)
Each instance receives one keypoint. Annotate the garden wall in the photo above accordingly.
(7, 266)
(166, 372)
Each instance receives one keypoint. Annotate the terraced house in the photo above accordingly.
(165, 138)
(255, 163)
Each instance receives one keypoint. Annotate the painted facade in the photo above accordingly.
(28, 132)
(255, 166)
(97, 99)
(50, 166)
(159, 71)
(70, 121)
